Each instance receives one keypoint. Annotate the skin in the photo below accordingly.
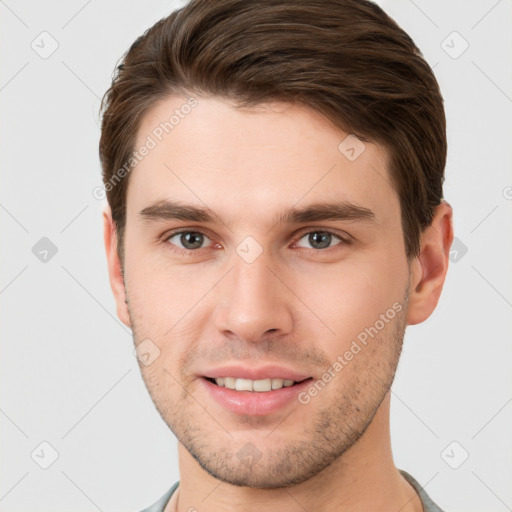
(297, 304)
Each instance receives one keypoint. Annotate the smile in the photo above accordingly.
(260, 386)
(258, 397)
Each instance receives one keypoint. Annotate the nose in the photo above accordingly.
(253, 303)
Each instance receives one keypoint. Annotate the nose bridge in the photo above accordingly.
(252, 279)
(253, 301)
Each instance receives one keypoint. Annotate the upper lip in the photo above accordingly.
(260, 373)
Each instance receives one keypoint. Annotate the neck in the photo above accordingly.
(363, 478)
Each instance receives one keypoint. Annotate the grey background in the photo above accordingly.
(68, 374)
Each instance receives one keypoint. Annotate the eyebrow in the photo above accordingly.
(341, 211)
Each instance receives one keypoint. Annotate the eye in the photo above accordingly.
(187, 240)
(321, 239)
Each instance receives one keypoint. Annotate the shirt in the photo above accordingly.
(428, 504)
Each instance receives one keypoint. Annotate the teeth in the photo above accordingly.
(229, 382)
(243, 385)
(277, 383)
(262, 385)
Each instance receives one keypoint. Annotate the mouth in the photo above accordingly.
(259, 396)
(257, 386)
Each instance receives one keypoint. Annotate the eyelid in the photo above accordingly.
(343, 236)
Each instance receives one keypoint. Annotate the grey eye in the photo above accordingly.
(320, 239)
(188, 239)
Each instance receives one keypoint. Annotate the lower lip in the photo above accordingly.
(255, 403)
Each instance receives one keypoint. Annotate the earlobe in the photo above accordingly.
(428, 270)
(114, 266)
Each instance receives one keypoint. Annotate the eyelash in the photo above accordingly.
(344, 240)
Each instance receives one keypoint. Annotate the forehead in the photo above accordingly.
(254, 160)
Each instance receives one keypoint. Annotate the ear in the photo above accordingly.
(114, 266)
(428, 269)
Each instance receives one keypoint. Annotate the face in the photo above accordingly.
(259, 254)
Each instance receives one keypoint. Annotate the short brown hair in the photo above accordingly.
(346, 59)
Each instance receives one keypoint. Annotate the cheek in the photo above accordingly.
(166, 301)
(149, 275)
(351, 299)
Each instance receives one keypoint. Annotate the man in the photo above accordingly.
(274, 175)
